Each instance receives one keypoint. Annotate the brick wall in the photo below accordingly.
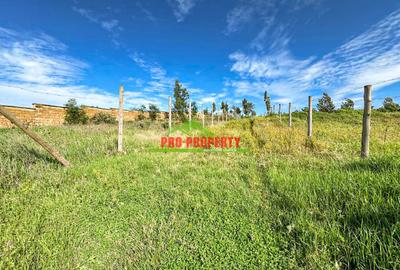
(49, 115)
(26, 115)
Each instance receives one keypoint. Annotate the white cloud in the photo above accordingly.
(371, 57)
(181, 8)
(149, 15)
(239, 16)
(110, 25)
(159, 81)
(38, 70)
(264, 11)
(36, 60)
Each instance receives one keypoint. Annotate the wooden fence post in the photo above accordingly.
(120, 117)
(203, 116)
(290, 114)
(212, 115)
(309, 119)
(366, 122)
(52, 151)
(170, 114)
(280, 113)
(190, 115)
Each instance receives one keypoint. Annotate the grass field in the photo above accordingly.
(288, 203)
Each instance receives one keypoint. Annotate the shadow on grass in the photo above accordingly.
(19, 160)
(376, 164)
(27, 156)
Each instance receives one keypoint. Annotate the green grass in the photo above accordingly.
(287, 203)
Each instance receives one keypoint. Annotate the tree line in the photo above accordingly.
(182, 99)
(325, 104)
(76, 114)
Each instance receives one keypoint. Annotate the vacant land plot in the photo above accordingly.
(287, 203)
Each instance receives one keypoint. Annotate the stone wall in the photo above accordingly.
(49, 115)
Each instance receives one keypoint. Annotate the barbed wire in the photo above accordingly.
(385, 81)
(40, 92)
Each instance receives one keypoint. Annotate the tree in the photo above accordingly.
(325, 103)
(213, 107)
(224, 108)
(74, 114)
(194, 108)
(348, 104)
(142, 110)
(248, 107)
(103, 118)
(153, 112)
(181, 97)
(390, 106)
(267, 101)
(237, 111)
(206, 112)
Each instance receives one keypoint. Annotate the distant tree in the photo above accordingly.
(181, 97)
(390, 106)
(213, 109)
(348, 104)
(224, 108)
(103, 118)
(194, 108)
(248, 107)
(267, 101)
(325, 103)
(206, 112)
(75, 115)
(237, 111)
(153, 112)
(142, 109)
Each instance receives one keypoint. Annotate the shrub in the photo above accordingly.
(165, 125)
(348, 104)
(142, 110)
(390, 106)
(103, 118)
(153, 112)
(75, 115)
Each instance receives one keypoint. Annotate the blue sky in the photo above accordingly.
(222, 50)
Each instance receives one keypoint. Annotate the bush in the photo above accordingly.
(142, 110)
(75, 115)
(103, 118)
(165, 125)
(390, 106)
(153, 112)
(348, 104)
